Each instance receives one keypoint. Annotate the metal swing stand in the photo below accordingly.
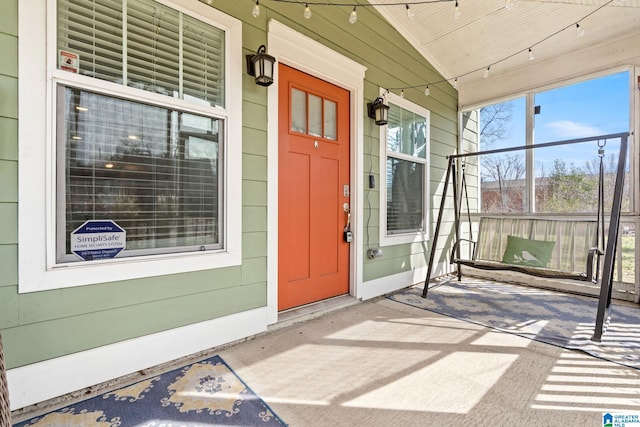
(606, 282)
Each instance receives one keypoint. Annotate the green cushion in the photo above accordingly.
(534, 253)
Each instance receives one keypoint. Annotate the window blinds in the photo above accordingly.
(146, 45)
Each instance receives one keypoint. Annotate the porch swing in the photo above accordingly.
(549, 247)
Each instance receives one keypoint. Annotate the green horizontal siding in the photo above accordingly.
(8, 265)
(44, 340)
(8, 223)
(9, 44)
(254, 141)
(8, 138)
(9, 306)
(254, 167)
(80, 300)
(9, 180)
(255, 192)
(254, 245)
(9, 18)
(8, 100)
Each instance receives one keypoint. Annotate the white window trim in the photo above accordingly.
(37, 175)
(412, 237)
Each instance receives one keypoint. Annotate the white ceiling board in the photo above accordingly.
(487, 34)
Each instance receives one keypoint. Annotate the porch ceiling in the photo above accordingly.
(489, 34)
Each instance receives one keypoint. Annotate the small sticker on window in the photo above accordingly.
(69, 61)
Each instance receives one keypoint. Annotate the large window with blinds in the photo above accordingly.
(130, 156)
(405, 155)
(151, 168)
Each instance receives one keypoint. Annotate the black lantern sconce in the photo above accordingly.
(261, 67)
(379, 111)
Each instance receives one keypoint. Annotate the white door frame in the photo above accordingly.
(292, 48)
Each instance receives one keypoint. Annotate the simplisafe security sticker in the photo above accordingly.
(98, 239)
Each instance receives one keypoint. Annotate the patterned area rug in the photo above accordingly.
(206, 393)
(556, 318)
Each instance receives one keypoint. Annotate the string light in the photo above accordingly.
(509, 5)
(532, 56)
(579, 30)
(307, 11)
(455, 83)
(256, 9)
(486, 73)
(402, 93)
(353, 17)
(427, 91)
(410, 13)
(457, 13)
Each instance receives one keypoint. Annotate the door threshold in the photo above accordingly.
(311, 311)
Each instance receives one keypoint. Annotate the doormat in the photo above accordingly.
(206, 393)
(556, 318)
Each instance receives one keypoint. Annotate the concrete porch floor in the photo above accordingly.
(382, 363)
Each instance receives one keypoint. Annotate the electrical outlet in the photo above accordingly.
(374, 253)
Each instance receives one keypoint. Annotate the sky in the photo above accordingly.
(595, 107)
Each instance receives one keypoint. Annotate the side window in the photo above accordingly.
(404, 168)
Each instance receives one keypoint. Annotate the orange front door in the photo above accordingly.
(313, 164)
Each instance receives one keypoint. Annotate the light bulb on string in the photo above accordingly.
(579, 30)
(455, 83)
(509, 5)
(457, 13)
(486, 73)
(307, 11)
(256, 9)
(410, 13)
(353, 17)
(532, 56)
(427, 91)
(402, 93)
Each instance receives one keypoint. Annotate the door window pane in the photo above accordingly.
(330, 120)
(315, 115)
(298, 111)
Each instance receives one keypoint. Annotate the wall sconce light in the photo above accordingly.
(378, 111)
(260, 66)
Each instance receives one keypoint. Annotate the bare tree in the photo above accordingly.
(494, 119)
(502, 183)
(501, 176)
